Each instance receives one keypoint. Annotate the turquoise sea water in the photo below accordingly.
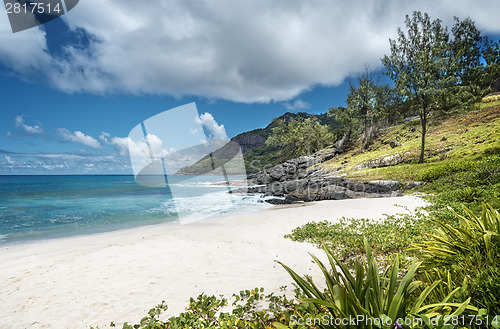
(41, 207)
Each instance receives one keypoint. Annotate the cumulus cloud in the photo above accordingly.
(24, 52)
(119, 143)
(24, 128)
(244, 51)
(297, 105)
(78, 137)
(8, 160)
(215, 131)
(137, 148)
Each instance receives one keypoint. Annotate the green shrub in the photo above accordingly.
(471, 252)
(445, 169)
(388, 236)
(468, 194)
(489, 170)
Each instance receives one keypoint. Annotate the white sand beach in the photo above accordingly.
(92, 280)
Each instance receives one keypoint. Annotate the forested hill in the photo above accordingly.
(256, 153)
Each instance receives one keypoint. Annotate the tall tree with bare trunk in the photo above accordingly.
(421, 66)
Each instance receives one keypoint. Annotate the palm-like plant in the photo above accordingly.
(470, 253)
(372, 295)
(474, 233)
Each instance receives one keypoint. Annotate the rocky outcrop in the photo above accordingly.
(290, 170)
(338, 189)
(333, 188)
(300, 180)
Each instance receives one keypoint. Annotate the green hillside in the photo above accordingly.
(462, 152)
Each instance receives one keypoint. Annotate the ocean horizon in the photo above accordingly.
(39, 207)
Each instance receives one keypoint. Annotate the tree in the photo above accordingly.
(491, 55)
(362, 99)
(369, 102)
(420, 66)
(368, 106)
(466, 51)
(349, 122)
(303, 136)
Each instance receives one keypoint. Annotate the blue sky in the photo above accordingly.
(73, 89)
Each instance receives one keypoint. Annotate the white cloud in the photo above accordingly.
(121, 144)
(8, 160)
(156, 145)
(214, 130)
(137, 149)
(19, 123)
(297, 105)
(78, 137)
(245, 51)
(24, 52)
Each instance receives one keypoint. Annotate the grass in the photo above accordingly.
(491, 98)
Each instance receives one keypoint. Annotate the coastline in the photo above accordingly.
(83, 281)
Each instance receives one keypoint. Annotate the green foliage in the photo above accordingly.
(433, 173)
(303, 136)
(388, 236)
(468, 194)
(491, 74)
(466, 50)
(148, 322)
(470, 251)
(366, 293)
(368, 106)
(491, 98)
(464, 181)
(265, 157)
(419, 65)
(246, 312)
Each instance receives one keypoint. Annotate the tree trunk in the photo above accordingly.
(344, 141)
(423, 123)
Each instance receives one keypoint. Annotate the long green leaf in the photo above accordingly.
(398, 300)
(420, 300)
(430, 306)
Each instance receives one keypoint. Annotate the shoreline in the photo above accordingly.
(90, 280)
(117, 227)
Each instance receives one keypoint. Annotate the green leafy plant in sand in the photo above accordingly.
(386, 237)
(470, 251)
(247, 312)
(367, 293)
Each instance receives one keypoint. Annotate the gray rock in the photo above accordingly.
(389, 160)
(389, 184)
(295, 180)
(277, 201)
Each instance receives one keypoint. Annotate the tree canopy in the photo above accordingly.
(421, 66)
(368, 106)
(303, 136)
